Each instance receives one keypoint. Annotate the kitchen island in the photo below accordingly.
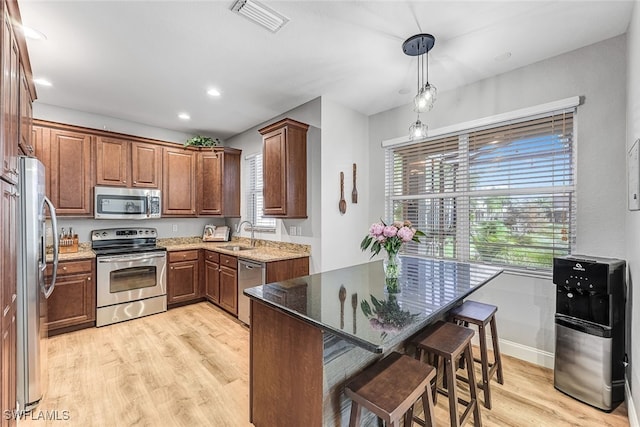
(310, 335)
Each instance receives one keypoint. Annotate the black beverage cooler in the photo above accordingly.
(590, 323)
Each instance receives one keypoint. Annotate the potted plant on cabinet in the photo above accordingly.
(202, 141)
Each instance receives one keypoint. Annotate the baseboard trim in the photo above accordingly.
(523, 352)
(631, 409)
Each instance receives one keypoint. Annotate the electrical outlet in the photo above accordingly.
(292, 230)
(175, 227)
(299, 230)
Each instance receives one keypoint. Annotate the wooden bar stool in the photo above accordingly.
(390, 388)
(481, 315)
(451, 342)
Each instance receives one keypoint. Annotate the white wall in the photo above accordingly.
(345, 140)
(250, 142)
(632, 220)
(597, 72)
(94, 121)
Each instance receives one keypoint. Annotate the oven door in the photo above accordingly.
(130, 277)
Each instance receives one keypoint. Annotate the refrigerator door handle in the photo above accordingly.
(48, 290)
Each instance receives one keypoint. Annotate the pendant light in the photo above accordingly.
(420, 45)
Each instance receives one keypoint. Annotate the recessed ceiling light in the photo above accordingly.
(213, 92)
(32, 33)
(42, 82)
(184, 116)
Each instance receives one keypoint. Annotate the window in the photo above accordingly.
(503, 194)
(255, 201)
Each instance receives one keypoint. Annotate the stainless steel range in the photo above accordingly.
(131, 274)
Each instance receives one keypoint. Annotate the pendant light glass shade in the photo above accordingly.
(425, 98)
(417, 130)
(419, 46)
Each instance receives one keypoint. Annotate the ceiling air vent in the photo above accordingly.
(260, 14)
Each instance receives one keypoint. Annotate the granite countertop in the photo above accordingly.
(351, 302)
(264, 251)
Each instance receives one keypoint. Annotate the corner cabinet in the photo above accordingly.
(284, 149)
(219, 182)
(179, 182)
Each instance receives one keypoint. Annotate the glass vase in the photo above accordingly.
(391, 265)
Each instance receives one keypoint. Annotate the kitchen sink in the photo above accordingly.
(236, 248)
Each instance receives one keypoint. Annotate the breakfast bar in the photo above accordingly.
(310, 335)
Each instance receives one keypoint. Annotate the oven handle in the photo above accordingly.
(130, 258)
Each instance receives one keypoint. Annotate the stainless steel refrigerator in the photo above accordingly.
(32, 291)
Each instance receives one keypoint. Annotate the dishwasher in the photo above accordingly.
(250, 274)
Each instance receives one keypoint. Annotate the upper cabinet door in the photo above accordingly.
(26, 114)
(71, 172)
(210, 182)
(219, 182)
(112, 162)
(275, 175)
(10, 99)
(146, 165)
(178, 182)
(284, 148)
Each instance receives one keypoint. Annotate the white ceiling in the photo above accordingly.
(146, 61)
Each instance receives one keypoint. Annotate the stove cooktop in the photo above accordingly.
(110, 241)
(128, 250)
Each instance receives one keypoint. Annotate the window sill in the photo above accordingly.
(260, 229)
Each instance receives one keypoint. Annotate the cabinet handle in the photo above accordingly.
(64, 268)
(135, 182)
(89, 278)
(172, 268)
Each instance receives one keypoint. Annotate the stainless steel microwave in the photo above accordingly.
(126, 203)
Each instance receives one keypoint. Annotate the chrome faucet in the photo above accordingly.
(253, 240)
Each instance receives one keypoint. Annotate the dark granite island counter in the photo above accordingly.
(311, 334)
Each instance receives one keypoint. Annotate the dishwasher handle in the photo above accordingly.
(249, 265)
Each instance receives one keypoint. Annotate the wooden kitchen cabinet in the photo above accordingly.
(178, 182)
(146, 165)
(124, 163)
(66, 155)
(17, 92)
(212, 276)
(72, 304)
(113, 162)
(183, 285)
(10, 98)
(284, 148)
(26, 115)
(219, 182)
(8, 243)
(229, 283)
(277, 271)
(221, 280)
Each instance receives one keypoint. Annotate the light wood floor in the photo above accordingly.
(190, 367)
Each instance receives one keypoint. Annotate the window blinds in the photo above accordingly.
(502, 194)
(255, 201)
